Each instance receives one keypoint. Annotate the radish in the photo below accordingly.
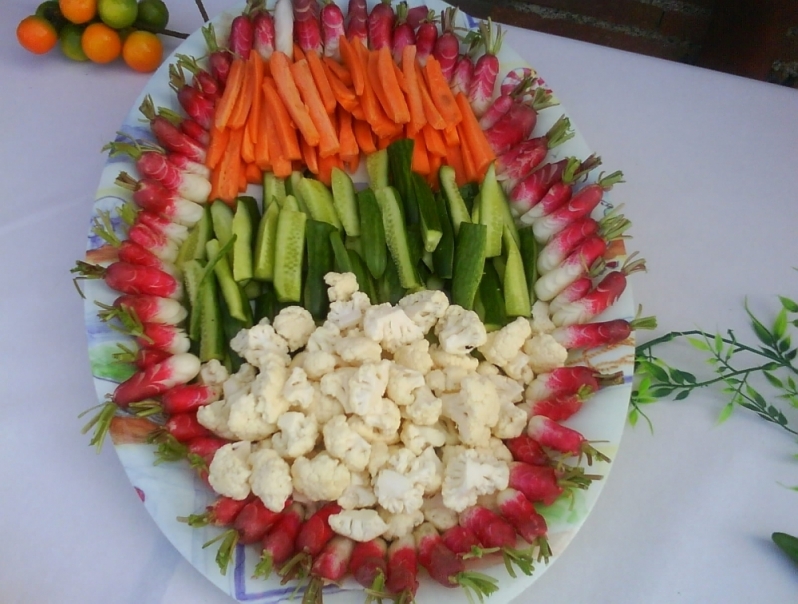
(330, 565)
(463, 542)
(519, 161)
(219, 59)
(404, 34)
(200, 452)
(307, 29)
(149, 309)
(600, 298)
(447, 46)
(495, 111)
(129, 251)
(306, 10)
(196, 105)
(180, 399)
(402, 579)
(176, 233)
(426, 37)
(462, 75)
(188, 126)
(242, 36)
(486, 68)
(168, 338)
(221, 512)
(580, 205)
(568, 380)
(132, 279)
(417, 14)
(516, 77)
(368, 564)
(154, 197)
(284, 27)
(264, 35)
(250, 526)
(518, 122)
(278, 543)
(494, 531)
(380, 25)
(559, 408)
(530, 191)
(574, 266)
(524, 448)
(604, 333)
(561, 438)
(169, 136)
(539, 484)
(572, 293)
(445, 567)
(155, 380)
(357, 21)
(528, 523)
(142, 358)
(158, 243)
(610, 227)
(311, 539)
(204, 82)
(184, 427)
(332, 28)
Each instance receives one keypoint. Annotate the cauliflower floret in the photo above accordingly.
(374, 435)
(229, 471)
(425, 307)
(443, 359)
(475, 409)
(336, 384)
(437, 514)
(298, 391)
(366, 387)
(358, 525)
(359, 493)
(294, 324)
(496, 448)
(472, 473)
(323, 338)
(400, 525)
(384, 418)
(268, 389)
(403, 383)
(520, 369)
(508, 389)
(348, 314)
(425, 409)
(322, 478)
(397, 492)
(213, 373)
(215, 417)
(512, 421)
(541, 321)
(502, 345)
(485, 368)
(271, 478)
(459, 331)
(545, 353)
(390, 326)
(297, 435)
(341, 286)
(380, 453)
(247, 420)
(318, 363)
(427, 470)
(343, 443)
(259, 344)
(355, 349)
(324, 408)
(240, 381)
(414, 356)
(417, 438)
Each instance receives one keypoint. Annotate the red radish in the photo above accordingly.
(196, 105)
(157, 379)
(200, 451)
(426, 37)
(284, 27)
(132, 279)
(402, 579)
(561, 438)
(278, 543)
(311, 539)
(604, 333)
(516, 77)
(380, 25)
(539, 484)
(518, 122)
(219, 59)
(204, 82)
(502, 103)
(445, 567)
(357, 21)
(417, 14)
(530, 191)
(306, 10)
(559, 408)
(263, 34)
(528, 523)
(168, 338)
(368, 563)
(142, 358)
(307, 29)
(463, 542)
(188, 126)
(242, 36)
(572, 268)
(524, 448)
(251, 524)
(568, 380)
(572, 293)
(579, 206)
(221, 512)
(169, 136)
(447, 46)
(610, 228)
(332, 28)
(158, 243)
(330, 565)
(129, 251)
(160, 225)
(153, 196)
(494, 531)
(180, 399)
(519, 161)
(600, 298)
(148, 309)
(486, 69)
(185, 427)
(462, 75)
(404, 34)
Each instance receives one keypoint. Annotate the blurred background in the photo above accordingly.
(757, 39)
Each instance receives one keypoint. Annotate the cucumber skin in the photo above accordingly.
(345, 203)
(320, 262)
(529, 256)
(443, 256)
(319, 201)
(430, 223)
(492, 296)
(491, 211)
(400, 157)
(289, 253)
(372, 238)
(263, 260)
(242, 227)
(396, 237)
(469, 263)
(458, 209)
(516, 289)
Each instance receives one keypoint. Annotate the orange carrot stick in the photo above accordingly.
(215, 177)
(321, 81)
(281, 165)
(364, 136)
(289, 93)
(262, 156)
(232, 89)
(414, 103)
(372, 109)
(216, 146)
(344, 96)
(346, 135)
(328, 138)
(431, 112)
(435, 163)
(434, 141)
(349, 55)
(472, 137)
(468, 164)
(341, 72)
(441, 93)
(310, 157)
(282, 119)
(374, 78)
(352, 166)
(420, 161)
(242, 178)
(454, 158)
(326, 165)
(230, 167)
(357, 113)
(298, 54)
(254, 174)
(247, 147)
(257, 96)
(241, 110)
(386, 69)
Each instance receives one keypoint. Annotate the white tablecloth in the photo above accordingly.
(686, 516)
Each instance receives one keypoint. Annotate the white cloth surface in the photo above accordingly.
(686, 516)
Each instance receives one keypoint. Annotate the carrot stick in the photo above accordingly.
(298, 54)
(254, 174)
(473, 138)
(468, 164)
(414, 103)
(281, 165)
(431, 113)
(326, 165)
(451, 135)
(310, 157)
(420, 161)
(352, 166)
(282, 119)
(287, 88)
(441, 93)
(346, 135)
(364, 136)
(215, 177)
(242, 177)
(372, 109)
(352, 61)
(232, 89)
(400, 77)
(434, 141)
(375, 79)
(247, 147)
(328, 138)
(257, 97)
(341, 72)
(321, 81)
(398, 109)
(454, 158)
(357, 113)
(216, 146)
(262, 156)
(343, 95)
(241, 110)
(230, 167)
(435, 163)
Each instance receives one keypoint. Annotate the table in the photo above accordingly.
(687, 512)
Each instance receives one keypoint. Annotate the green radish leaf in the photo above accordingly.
(788, 304)
(699, 344)
(725, 413)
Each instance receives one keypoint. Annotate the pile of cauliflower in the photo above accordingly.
(383, 408)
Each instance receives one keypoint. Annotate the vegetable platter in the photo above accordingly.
(220, 251)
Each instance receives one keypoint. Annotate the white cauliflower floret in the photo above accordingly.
(343, 443)
(436, 381)
(496, 448)
(403, 383)
(341, 286)
(448, 379)
(240, 381)
(485, 368)
(507, 388)
(294, 324)
(374, 435)
(541, 321)
(502, 345)
(357, 349)
(215, 416)
(380, 453)
(512, 421)
(397, 492)
(443, 359)
(437, 514)
(259, 344)
(229, 470)
(384, 418)
(425, 307)
(213, 373)
(425, 409)
(322, 478)
(400, 525)
(348, 314)
(323, 338)
(359, 493)
(414, 356)
(336, 384)
(520, 369)
(324, 408)
(472, 473)
(318, 363)
(271, 478)
(545, 353)
(358, 525)
(475, 409)
(246, 419)
(297, 435)
(366, 387)
(459, 331)
(390, 326)
(268, 388)
(297, 390)
(417, 438)
(427, 470)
